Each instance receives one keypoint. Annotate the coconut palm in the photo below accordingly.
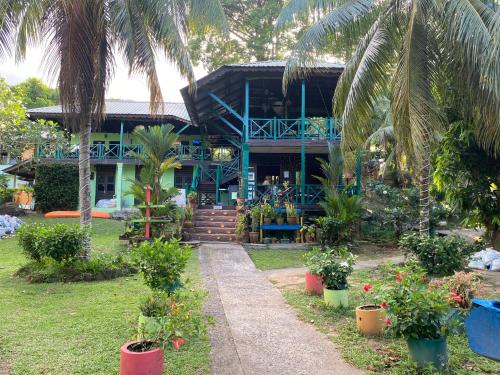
(416, 49)
(84, 36)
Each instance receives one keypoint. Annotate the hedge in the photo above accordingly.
(56, 187)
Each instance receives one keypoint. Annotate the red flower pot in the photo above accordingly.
(140, 363)
(314, 283)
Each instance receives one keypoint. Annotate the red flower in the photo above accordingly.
(387, 322)
(178, 342)
(424, 278)
(456, 297)
(367, 287)
(384, 305)
(399, 277)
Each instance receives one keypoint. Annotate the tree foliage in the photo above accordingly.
(35, 94)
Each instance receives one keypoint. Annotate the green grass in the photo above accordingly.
(277, 258)
(380, 355)
(266, 259)
(78, 328)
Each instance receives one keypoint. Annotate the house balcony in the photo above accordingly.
(320, 128)
(128, 152)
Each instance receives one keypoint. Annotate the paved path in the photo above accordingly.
(256, 332)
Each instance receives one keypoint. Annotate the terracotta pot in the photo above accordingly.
(268, 220)
(370, 320)
(188, 224)
(291, 220)
(140, 363)
(280, 220)
(309, 237)
(254, 237)
(314, 283)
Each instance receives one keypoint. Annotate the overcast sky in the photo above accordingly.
(122, 86)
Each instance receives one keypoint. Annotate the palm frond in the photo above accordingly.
(303, 55)
(303, 8)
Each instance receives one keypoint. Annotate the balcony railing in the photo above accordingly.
(313, 193)
(128, 152)
(277, 128)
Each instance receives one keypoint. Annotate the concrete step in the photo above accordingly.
(210, 212)
(214, 224)
(217, 219)
(213, 237)
(210, 230)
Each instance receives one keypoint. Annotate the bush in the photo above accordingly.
(56, 187)
(100, 267)
(332, 230)
(61, 242)
(334, 266)
(6, 194)
(155, 305)
(161, 263)
(440, 256)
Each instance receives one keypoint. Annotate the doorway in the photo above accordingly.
(105, 182)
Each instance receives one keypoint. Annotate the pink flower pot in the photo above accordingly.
(140, 363)
(314, 283)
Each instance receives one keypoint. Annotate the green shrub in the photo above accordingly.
(56, 187)
(60, 242)
(161, 263)
(334, 266)
(100, 267)
(440, 256)
(332, 230)
(6, 194)
(26, 237)
(155, 305)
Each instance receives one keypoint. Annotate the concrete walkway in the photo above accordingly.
(256, 332)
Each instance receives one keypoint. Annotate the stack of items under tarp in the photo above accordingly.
(8, 225)
(487, 259)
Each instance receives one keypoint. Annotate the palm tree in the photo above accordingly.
(83, 38)
(156, 157)
(416, 49)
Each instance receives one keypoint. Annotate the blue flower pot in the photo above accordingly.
(483, 326)
(429, 351)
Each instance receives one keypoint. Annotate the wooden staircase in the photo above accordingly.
(214, 225)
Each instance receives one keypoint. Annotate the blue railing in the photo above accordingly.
(277, 128)
(279, 194)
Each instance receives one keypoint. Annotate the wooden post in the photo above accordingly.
(148, 212)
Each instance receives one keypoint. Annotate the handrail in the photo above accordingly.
(278, 128)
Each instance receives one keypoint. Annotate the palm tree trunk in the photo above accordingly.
(425, 176)
(84, 172)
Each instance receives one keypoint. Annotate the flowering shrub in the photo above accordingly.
(440, 256)
(414, 310)
(462, 286)
(334, 265)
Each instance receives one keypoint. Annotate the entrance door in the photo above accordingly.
(105, 182)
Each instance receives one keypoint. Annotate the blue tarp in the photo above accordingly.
(483, 328)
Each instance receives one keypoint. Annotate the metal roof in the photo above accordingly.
(282, 64)
(118, 109)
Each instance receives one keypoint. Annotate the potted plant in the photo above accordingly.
(255, 216)
(309, 232)
(280, 219)
(241, 229)
(183, 320)
(188, 217)
(417, 313)
(192, 198)
(336, 265)
(240, 200)
(314, 281)
(267, 213)
(291, 213)
(370, 317)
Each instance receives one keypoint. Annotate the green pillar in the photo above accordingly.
(245, 163)
(246, 115)
(358, 171)
(121, 140)
(217, 183)
(118, 186)
(303, 146)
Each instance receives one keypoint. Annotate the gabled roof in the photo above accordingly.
(116, 109)
(282, 64)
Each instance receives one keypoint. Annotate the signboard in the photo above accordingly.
(217, 207)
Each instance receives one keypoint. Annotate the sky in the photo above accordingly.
(122, 86)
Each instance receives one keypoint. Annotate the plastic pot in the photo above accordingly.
(254, 237)
(268, 220)
(140, 363)
(314, 283)
(370, 320)
(336, 298)
(280, 220)
(429, 351)
(291, 220)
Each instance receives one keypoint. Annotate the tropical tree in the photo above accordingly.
(83, 39)
(417, 50)
(36, 94)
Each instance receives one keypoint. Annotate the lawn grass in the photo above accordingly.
(78, 328)
(269, 258)
(379, 355)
